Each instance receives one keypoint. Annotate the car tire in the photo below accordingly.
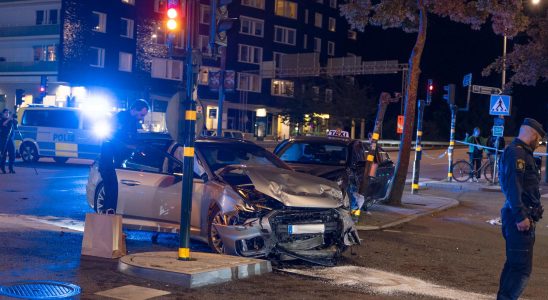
(29, 152)
(60, 160)
(99, 199)
(213, 237)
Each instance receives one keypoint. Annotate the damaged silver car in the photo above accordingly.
(246, 201)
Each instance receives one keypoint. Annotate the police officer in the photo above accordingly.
(8, 125)
(519, 179)
(115, 149)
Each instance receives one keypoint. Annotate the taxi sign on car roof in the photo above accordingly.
(338, 133)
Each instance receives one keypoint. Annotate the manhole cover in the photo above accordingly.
(40, 290)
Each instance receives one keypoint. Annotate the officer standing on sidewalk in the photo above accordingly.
(519, 179)
(8, 125)
(115, 149)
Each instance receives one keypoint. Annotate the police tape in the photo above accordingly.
(481, 147)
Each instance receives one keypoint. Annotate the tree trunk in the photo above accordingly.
(410, 109)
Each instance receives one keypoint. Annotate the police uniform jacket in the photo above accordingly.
(519, 179)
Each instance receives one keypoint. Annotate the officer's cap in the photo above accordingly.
(535, 125)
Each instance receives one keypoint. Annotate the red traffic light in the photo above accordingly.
(172, 13)
(42, 89)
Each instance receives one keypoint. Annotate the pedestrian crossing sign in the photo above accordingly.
(500, 105)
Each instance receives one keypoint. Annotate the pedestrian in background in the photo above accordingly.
(519, 179)
(8, 125)
(116, 148)
(475, 151)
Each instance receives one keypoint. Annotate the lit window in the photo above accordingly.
(332, 24)
(254, 3)
(251, 26)
(330, 48)
(285, 35)
(317, 45)
(249, 82)
(286, 9)
(166, 69)
(205, 14)
(99, 22)
(352, 35)
(318, 20)
(250, 54)
(97, 57)
(45, 53)
(283, 88)
(130, 2)
(126, 62)
(126, 28)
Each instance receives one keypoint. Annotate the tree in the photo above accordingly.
(506, 17)
(350, 100)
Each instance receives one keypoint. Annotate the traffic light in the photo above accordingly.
(19, 95)
(449, 94)
(43, 89)
(429, 91)
(173, 19)
(223, 22)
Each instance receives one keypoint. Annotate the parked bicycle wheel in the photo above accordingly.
(489, 172)
(462, 171)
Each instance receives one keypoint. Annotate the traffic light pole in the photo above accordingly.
(454, 109)
(222, 52)
(418, 149)
(188, 136)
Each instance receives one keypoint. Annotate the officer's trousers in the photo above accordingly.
(519, 258)
(107, 170)
(8, 152)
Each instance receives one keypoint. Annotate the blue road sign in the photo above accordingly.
(498, 130)
(467, 80)
(500, 105)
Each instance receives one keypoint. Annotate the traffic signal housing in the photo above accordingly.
(449, 94)
(429, 91)
(173, 16)
(43, 89)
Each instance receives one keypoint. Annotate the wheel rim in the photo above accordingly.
(461, 171)
(215, 236)
(28, 153)
(100, 201)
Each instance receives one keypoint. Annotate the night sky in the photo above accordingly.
(452, 50)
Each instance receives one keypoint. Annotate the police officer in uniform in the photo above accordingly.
(8, 125)
(519, 179)
(117, 148)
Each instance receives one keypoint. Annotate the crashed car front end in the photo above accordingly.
(282, 215)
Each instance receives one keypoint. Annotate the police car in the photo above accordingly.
(60, 133)
(335, 157)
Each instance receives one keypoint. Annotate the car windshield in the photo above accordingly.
(220, 155)
(317, 153)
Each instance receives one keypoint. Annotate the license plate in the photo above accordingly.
(306, 228)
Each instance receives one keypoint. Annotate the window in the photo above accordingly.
(306, 16)
(251, 26)
(316, 91)
(315, 153)
(305, 41)
(332, 24)
(145, 159)
(130, 2)
(126, 28)
(283, 88)
(317, 45)
(285, 8)
(166, 69)
(205, 14)
(254, 3)
(126, 61)
(330, 48)
(203, 75)
(278, 58)
(284, 35)
(328, 95)
(160, 6)
(352, 35)
(51, 118)
(99, 22)
(47, 17)
(45, 53)
(97, 57)
(333, 3)
(203, 43)
(250, 54)
(318, 20)
(249, 82)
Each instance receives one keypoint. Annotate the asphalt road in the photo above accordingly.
(455, 254)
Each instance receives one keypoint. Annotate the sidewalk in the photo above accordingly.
(382, 216)
(482, 185)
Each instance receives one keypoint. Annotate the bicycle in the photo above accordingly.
(463, 171)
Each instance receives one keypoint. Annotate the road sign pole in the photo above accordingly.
(451, 142)
(188, 139)
(418, 149)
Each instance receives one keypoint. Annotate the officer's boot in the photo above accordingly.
(11, 170)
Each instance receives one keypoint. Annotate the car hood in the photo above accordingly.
(292, 188)
(316, 170)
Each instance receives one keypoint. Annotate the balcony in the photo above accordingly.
(34, 30)
(38, 67)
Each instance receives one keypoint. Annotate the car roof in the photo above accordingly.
(322, 139)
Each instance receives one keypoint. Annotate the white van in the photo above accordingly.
(60, 133)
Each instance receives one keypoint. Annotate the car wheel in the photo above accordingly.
(99, 199)
(213, 236)
(60, 160)
(28, 152)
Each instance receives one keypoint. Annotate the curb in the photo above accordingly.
(452, 204)
(460, 186)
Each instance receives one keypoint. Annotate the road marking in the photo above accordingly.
(386, 283)
(132, 292)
